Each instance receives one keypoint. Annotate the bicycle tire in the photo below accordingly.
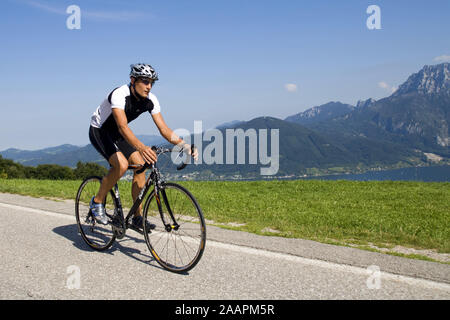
(190, 234)
(98, 237)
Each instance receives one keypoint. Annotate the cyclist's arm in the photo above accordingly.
(122, 123)
(165, 131)
(169, 135)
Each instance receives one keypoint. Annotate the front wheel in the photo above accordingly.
(178, 241)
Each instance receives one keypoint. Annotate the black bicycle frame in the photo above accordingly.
(138, 201)
(152, 179)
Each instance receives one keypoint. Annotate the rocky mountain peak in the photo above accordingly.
(323, 112)
(430, 80)
(365, 103)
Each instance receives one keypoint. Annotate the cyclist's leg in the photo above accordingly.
(104, 143)
(133, 157)
(138, 183)
(119, 166)
(138, 179)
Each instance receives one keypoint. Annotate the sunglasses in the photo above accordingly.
(146, 81)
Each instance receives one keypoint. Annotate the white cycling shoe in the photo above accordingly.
(99, 212)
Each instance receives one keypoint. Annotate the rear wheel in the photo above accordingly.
(178, 241)
(97, 236)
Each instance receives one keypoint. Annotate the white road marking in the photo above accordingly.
(331, 265)
(47, 213)
(276, 255)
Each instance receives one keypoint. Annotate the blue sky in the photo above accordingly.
(218, 61)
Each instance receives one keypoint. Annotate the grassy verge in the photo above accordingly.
(411, 214)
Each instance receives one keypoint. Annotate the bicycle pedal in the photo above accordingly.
(136, 229)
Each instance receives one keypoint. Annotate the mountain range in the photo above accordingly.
(417, 115)
(408, 128)
(67, 154)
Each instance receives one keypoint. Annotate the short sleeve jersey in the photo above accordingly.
(122, 98)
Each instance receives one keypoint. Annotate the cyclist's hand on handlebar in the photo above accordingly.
(191, 150)
(195, 153)
(148, 154)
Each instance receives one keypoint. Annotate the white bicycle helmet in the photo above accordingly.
(143, 70)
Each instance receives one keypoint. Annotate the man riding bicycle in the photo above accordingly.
(113, 139)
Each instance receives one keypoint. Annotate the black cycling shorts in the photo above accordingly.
(107, 143)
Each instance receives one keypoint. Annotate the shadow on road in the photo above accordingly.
(70, 232)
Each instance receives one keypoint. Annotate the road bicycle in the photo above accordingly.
(178, 240)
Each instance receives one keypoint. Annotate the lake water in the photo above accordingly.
(428, 174)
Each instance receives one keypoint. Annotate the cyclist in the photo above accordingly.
(113, 139)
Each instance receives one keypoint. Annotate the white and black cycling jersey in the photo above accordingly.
(122, 98)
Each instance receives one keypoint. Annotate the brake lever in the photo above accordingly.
(184, 164)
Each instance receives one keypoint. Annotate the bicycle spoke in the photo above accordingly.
(189, 235)
(162, 235)
(181, 259)
(185, 243)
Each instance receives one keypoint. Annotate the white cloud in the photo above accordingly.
(46, 7)
(119, 16)
(443, 58)
(383, 85)
(94, 15)
(387, 87)
(291, 87)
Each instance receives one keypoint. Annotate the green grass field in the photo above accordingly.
(411, 214)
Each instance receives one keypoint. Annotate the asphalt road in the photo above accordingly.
(44, 257)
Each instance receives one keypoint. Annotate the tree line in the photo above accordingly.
(12, 170)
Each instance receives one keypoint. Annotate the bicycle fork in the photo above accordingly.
(168, 226)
